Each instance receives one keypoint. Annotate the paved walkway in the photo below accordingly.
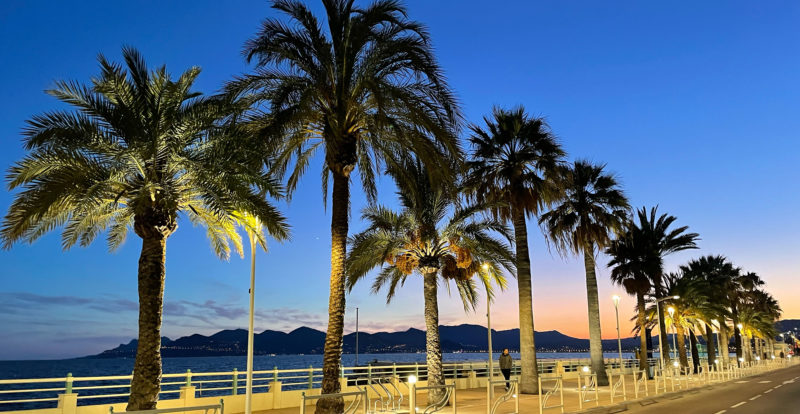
(474, 401)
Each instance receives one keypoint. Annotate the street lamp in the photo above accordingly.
(658, 322)
(615, 298)
(486, 267)
(671, 311)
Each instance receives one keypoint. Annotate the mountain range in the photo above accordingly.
(461, 338)
(304, 340)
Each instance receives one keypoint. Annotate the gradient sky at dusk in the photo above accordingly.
(695, 105)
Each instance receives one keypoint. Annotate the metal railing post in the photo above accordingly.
(369, 371)
(275, 374)
(188, 377)
(68, 384)
(235, 382)
(394, 369)
(310, 376)
(416, 370)
(303, 403)
(412, 399)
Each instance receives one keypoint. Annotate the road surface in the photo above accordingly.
(771, 392)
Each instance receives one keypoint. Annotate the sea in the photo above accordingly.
(84, 367)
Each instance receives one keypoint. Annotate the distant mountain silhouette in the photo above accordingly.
(461, 338)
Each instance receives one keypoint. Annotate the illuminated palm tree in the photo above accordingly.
(593, 209)
(629, 270)
(362, 89)
(424, 239)
(139, 150)
(515, 165)
(712, 271)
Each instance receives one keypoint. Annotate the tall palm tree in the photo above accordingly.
(593, 209)
(515, 164)
(424, 239)
(658, 241)
(139, 150)
(712, 271)
(363, 89)
(629, 270)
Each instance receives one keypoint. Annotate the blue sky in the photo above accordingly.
(695, 105)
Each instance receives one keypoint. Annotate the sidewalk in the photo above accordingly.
(474, 401)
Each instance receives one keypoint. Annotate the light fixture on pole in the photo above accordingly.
(615, 298)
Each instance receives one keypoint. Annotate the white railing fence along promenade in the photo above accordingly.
(277, 388)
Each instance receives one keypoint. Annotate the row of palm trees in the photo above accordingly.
(363, 89)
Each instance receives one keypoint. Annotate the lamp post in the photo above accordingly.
(619, 341)
(485, 267)
(356, 335)
(658, 323)
(671, 311)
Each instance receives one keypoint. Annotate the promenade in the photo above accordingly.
(684, 394)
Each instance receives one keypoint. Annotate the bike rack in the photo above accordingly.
(618, 386)
(558, 386)
(510, 393)
(640, 380)
(361, 400)
(450, 391)
(586, 384)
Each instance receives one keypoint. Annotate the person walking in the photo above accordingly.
(505, 366)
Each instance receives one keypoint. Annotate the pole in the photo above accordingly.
(489, 332)
(248, 401)
(619, 341)
(674, 346)
(356, 336)
(660, 344)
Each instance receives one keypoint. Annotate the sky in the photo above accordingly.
(694, 105)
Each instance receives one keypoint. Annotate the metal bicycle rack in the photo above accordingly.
(511, 392)
(558, 387)
(361, 400)
(436, 406)
(617, 386)
(586, 384)
(640, 380)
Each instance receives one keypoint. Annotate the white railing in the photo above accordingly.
(23, 394)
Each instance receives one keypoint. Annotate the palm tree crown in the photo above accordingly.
(139, 150)
(593, 209)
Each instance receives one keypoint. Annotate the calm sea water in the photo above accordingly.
(124, 366)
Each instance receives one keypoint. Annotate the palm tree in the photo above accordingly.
(693, 309)
(712, 271)
(593, 209)
(364, 89)
(423, 239)
(628, 269)
(139, 150)
(515, 164)
(660, 241)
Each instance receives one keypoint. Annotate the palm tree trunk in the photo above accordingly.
(663, 340)
(146, 381)
(595, 336)
(529, 380)
(710, 346)
(640, 304)
(695, 352)
(433, 346)
(724, 342)
(332, 356)
(737, 336)
(682, 345)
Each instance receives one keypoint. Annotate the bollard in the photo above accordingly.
(235, 382)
